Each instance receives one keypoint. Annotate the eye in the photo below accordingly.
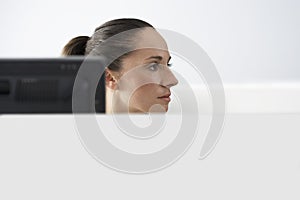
(153, 67)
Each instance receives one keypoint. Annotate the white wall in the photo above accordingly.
(249, 41)
(257, 156)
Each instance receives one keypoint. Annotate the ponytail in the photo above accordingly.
(84, 45)
(75, 46)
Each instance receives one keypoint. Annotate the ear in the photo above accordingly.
(110, 79)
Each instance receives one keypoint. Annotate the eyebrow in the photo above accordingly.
(158, 58)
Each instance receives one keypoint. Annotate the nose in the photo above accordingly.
(168, 79)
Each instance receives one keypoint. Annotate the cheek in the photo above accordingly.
(145, 95)
(141, 85)
(146, 91)
(145, 99)
(138, 78)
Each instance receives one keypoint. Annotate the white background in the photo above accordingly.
(254, 40)
(249, 41)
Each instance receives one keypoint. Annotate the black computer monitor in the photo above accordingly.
(45, 85)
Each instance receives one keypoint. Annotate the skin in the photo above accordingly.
(143, 83)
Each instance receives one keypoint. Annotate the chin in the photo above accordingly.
(158, 108)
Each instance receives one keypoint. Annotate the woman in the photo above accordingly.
(139, 80)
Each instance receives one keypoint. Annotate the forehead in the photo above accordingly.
(143, 55)
(149, 38)
(149, 43)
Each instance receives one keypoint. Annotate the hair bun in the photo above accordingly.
(75, 46)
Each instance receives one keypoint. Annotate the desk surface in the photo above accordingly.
(257, 157)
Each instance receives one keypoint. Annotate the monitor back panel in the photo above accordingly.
(44, 85)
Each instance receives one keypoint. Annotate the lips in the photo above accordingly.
(165, 97)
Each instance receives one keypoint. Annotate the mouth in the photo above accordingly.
(165, 97)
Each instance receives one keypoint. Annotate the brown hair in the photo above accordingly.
(75, 46)
(83, 45)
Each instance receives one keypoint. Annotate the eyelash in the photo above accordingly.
(157, 65)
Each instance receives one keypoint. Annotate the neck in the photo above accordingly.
(114, 103)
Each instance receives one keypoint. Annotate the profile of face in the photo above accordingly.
(143, 83)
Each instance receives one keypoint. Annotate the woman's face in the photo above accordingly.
(144, 81)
